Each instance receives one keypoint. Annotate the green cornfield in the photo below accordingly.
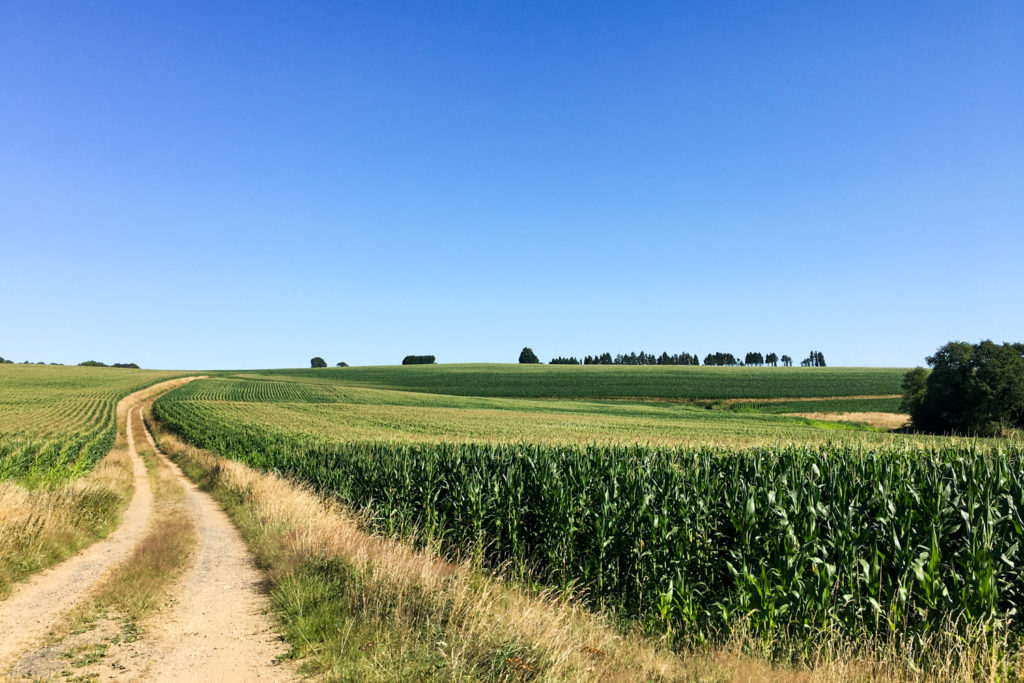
(791, 542)
(607, 381)
(57, 422)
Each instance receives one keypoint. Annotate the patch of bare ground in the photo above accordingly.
(888, 421)
(38, 605)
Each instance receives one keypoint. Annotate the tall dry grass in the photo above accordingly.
(43, 526)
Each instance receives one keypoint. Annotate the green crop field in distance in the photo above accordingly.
(328, 408)
(614, 381)
(56, 422)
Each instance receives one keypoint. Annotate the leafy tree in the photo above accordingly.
(753, 358)
(134, 366)
(772, 359)
(91, 364)
(528, 356)
(571, 360)
(317, 362)
(972, 389)
(342, 365)
(914, 385)
(786, 360)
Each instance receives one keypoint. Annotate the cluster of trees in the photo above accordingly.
(815, 359)
(642, 358)
(318, 362)
(973, 389)
(5, 360)
(98, 364)
(418, 360)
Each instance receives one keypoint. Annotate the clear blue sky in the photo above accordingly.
(229, 185)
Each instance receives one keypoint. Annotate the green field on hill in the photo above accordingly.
(614, 381)
(327, 407)
(56, 421)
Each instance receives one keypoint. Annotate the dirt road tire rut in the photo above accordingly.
(38, 605)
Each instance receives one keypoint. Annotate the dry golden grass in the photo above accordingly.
(888, 421)
(41, 527)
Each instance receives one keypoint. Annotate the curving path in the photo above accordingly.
(37, 605)
(217, 628)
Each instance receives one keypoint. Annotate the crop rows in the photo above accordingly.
(56, 423)
(606, 381)
(791, 542)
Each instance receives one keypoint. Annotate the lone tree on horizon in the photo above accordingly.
(528, 356)
(317, 362)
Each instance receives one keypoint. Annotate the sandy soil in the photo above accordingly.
(214, 628)
(217, 628)
(37, 605)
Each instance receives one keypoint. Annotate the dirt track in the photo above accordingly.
(214, 628)
(38, 604)
(217, 628)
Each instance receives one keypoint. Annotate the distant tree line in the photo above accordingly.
(973, 389)
(86, 364)
(642, 358)
(418, 360)
(97, 364)
(719, 358)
